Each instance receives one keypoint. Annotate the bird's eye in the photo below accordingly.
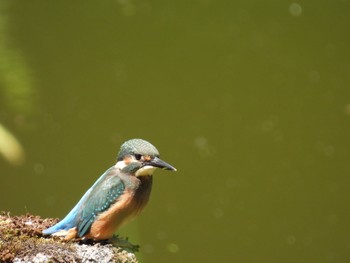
(138, 157)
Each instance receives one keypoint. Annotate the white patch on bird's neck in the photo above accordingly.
(120, 165)
(146, 170)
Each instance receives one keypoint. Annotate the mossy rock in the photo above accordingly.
(21, 241)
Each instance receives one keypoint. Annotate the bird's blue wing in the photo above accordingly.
(102, 196)
(74, 216)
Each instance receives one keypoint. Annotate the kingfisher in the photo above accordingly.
(119, 195)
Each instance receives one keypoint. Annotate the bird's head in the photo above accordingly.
(140, 157)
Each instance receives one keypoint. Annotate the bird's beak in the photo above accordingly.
(156, 162)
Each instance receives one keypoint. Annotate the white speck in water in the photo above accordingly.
(38, 168)
(295, 9)
(329, 150)
(173, 248)
(332, 219)
(267, 125)
(325, 148)
(333, 187)
(128, 8)
(291, 240)
(201, 143)
(218, 213)
(347, 109)
(314, 76)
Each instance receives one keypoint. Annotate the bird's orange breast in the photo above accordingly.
(127, 206)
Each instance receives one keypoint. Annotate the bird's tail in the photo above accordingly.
(66, 224)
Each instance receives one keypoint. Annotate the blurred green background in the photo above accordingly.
(249, 100)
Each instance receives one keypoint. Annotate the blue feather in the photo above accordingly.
(104, 195)
(96, 200)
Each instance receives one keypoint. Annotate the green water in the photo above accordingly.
(249, 100)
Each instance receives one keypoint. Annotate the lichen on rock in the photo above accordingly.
(21, 241)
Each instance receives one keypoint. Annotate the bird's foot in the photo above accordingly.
(123, 243)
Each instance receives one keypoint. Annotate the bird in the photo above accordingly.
(118, 195)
